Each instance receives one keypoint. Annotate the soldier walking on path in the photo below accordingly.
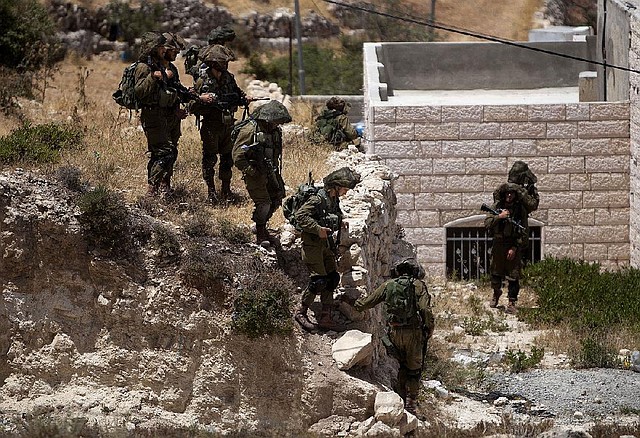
(407, 305)
(318, 218)
(257, 153)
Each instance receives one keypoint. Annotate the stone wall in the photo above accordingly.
(451, 158)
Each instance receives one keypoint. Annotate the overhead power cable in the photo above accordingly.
(461, 31)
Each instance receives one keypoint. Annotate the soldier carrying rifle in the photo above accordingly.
(508, 222)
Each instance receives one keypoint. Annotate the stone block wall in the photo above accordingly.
(450, 159)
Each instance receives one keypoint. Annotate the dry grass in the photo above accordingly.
(115, 153)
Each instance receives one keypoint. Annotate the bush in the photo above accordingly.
(520, 361)
(71, 178)
(263, 307)
(105, 220)
(594, 353)
(475, 326)
(580, 294)
(39, 143)
(206, 270)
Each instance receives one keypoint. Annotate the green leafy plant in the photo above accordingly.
(38, 143)
(519, 360)
(263, 307)
(233, 232)
(106, 221)
(594, 353)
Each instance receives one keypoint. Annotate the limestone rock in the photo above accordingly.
(354, 347)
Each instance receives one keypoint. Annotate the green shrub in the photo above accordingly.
(580, 294)
(39, 143)
(167, 243)
(26, 31)
(263, 307)
(105, 221)
(594, 353)
(233, 232)
(519, 361)
(205, 269)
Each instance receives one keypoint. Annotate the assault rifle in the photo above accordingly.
(519, 227)
(231, 101)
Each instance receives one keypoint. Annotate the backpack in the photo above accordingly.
(237, 127)
(125, 95)
(191, 62)
(327, 127)
(400, 301)
(293, 203)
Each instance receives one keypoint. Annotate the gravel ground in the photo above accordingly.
(596, 393)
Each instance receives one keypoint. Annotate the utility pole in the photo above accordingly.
(299, 38)
(432, 31)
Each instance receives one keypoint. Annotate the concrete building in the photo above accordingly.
(451, 118)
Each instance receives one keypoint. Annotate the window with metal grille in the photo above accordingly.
(469, 251)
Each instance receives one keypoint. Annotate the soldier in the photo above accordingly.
(410, 324)
(510, 231)
(521, 175)
(158, 103)
(318, 218)
(257, 153)
(220, 98)
(218, 36)
(333, 125)
(173, 46)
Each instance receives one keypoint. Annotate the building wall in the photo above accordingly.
(450, 159)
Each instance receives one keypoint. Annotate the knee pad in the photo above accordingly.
(333, 280)
(317, 284)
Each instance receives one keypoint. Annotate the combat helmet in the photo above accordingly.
(149, 41)
(343, 177)
(216, 53)
(221, 35)
(174, 41)
(408, 266)
(521, 174)
(503, 189)
(336, 103)
(272, 112)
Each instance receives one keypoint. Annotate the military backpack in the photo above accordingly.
(125, 95)
(192, 63)
(293, 203)
(400, 301)
(327, 127)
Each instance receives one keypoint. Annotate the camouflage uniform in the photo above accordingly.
(158, 103)
(344, 133)
(257, 153)
(407, 343)
(521, 175)
(217, 118)
(507, 236)
(322, 211)
(174, 119)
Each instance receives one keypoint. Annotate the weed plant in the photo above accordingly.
(263, 307)
(519, 360)
(476, 326)
(205, 269)
(39, 144)
(106, 222)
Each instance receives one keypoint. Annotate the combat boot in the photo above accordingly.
(212, 196)
(496, 296)
(165, 187)
(302, 319)
(326, 321)
(511, 308)
(225, 191)
(410, 405)
(152, 190)
(263, 235)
